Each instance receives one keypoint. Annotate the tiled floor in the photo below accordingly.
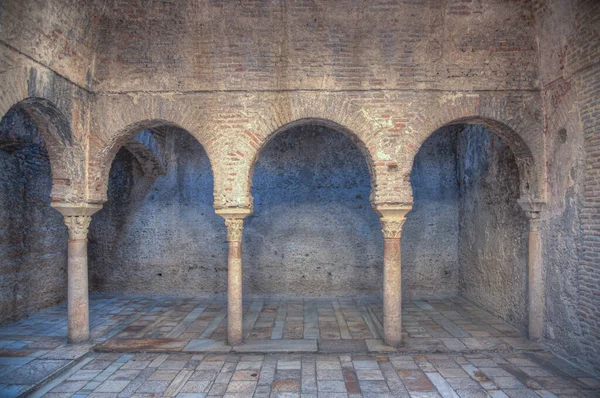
(132, 336)
(309, 375)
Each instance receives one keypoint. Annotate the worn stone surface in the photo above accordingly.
(492, 230)
(32, 236)
(160, 234)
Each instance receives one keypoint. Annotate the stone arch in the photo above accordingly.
(57, 138)
(150, 159)
(318, 122)
(522, 135)
(289, 110)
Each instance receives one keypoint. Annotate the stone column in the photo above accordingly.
(234, 221)
(77, 219)
(536, 299)
(392, 219)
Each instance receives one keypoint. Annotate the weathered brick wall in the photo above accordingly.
(60, 110)
(326, 45)
(388, 126)
(569, 34)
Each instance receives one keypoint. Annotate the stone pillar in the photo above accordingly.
(392, 219)
(234, 221)
(536, 299)
(77, 219)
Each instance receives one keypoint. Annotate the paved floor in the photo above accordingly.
(309, 375)
(136, 339)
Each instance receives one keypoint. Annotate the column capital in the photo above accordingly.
(233, 212)
(77, 216)
(533, 209)
(530, 205)
(392, 219)
(234, 221)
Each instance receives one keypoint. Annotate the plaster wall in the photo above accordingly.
(160, 235)
(430, 262)
(313, 231)
(492, 228)
(33, 238)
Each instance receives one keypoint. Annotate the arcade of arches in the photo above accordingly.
(408, 189)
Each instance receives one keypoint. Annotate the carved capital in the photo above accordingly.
(235, 227)
(534, 220)
(533, 209)
(393, 217)
(78, 226)
(392, 228)
(78, 217)
(234, 221)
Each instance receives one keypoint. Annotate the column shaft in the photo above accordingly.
(234, 293)
(392, 292)
(536, 282)
(235, 226)
(77, 292)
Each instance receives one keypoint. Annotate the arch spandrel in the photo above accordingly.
(290, 111)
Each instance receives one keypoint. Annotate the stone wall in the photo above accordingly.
(160, 235)
(569, 34)
(326, 45)
(313, 231)
(59, 34)
(430, 263)
(33, 238)
(492, 228)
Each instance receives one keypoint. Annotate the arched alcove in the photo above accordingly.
(313, 231)
(158, 233)
(466, 225)
(33, 237)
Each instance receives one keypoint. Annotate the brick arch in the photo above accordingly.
(340, 115)
(521, 135)
(317, 122)
(151, 162)
(57, 138)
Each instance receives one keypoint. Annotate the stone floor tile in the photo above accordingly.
(329, 374)
(373, 386)
(324, 386)
(362, 365)
(289, 365)
(196, 386)
(286, 386)
(241, 386)
(248, 375)
(153, 386)
(424, 394)
(520, 393)
(112, 386)
(369, 374)
(480, 393)
(191, 395)
(69, 386)
(33, 372)
(507, 382)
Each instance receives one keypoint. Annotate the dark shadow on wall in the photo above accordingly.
(313, 231)
(492, 239)
(466, 233)
(33, 237)
(160, 235)
(430, 233)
